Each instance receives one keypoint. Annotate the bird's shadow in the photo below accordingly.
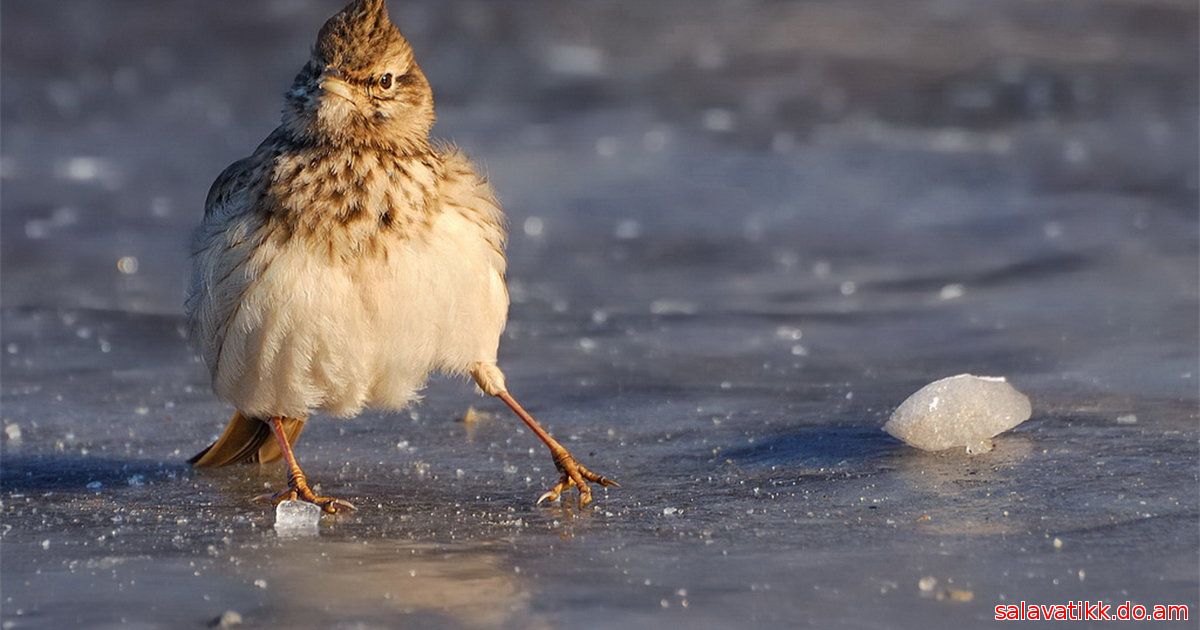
(64, 472)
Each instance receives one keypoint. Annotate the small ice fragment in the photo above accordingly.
(12, 431)
(81, 168)
(95, 485)
(670, 511)
(719, 120)
(960, 411)
(951, 292)
(474, 415)
(46, 544)
(1058, 543)
(628, 230)
(607, 146)
(261, 583)
(128, 265)
(228, 619)
(296, 518)
(534, 226)
(136, 480)
(575, 60)
(1127, 419)
(790, 333)
(927, 584)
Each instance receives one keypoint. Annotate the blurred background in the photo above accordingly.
(742, 232)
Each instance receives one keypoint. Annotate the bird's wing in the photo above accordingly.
(243, 177)
(468, 192)
(224, 246)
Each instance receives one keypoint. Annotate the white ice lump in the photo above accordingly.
(959, 411)
(297, 518)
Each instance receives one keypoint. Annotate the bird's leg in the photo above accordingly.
(491, 381)
(297, 483)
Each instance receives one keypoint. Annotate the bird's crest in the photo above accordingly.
(359, 35)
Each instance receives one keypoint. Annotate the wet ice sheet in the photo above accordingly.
(721, 287)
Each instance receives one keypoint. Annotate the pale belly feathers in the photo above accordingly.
(308, 335)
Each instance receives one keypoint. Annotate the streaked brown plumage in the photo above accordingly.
(348, 257)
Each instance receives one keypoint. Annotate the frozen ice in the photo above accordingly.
(297, 517)
(12, 431)
(750, 231)
(959, 411)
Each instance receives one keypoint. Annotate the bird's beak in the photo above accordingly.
(335, 86)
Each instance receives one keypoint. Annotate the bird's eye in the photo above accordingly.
(385, 81)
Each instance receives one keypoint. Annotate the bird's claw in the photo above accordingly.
(329, 505)
(574, 474)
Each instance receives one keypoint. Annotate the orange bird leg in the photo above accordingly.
(573, 473)
(297, 483)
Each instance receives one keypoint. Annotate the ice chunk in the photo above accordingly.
(960, 411)
(12, 431)
(297, 518)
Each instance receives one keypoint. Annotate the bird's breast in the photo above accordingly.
(346, 204)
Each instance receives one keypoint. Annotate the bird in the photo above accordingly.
(348, 258)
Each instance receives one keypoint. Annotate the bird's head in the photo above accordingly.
(362, 86)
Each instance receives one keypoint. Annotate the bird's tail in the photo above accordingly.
(246, 441)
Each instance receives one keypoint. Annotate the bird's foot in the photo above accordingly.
(298, 490)
(574, 474)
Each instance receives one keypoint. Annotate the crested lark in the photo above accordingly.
(348, 258)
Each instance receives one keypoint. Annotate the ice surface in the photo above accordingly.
(959, 411)
(902, 147)
(297, 517)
